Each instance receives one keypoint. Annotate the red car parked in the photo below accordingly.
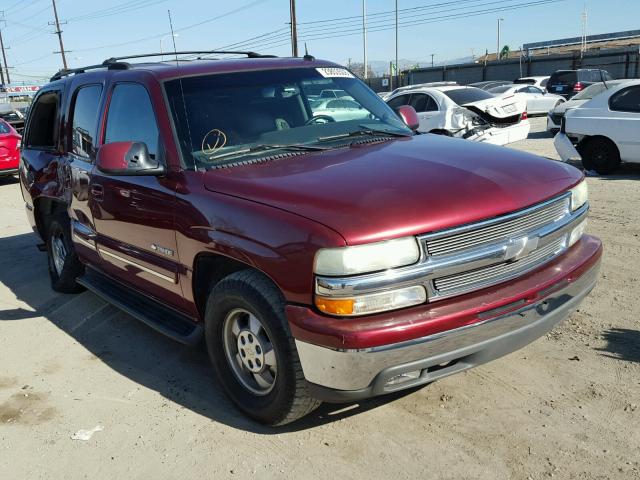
(9, 149)
(321, 258)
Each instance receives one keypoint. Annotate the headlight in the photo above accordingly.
(372, 303)
(371, 257)
(579, 195)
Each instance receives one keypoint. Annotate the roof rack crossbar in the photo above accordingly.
(189, 52)
(72, 71)
(116, 63)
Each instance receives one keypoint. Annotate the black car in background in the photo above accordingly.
(569, 82)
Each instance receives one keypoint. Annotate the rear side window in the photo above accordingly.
(43, 120)
(4, 128)
(85, 120)
(399, 101)
(626, 100)
(131, 117)
(462, 96)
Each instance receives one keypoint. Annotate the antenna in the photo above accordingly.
(173, 37)
(184, 101)
(306, 53)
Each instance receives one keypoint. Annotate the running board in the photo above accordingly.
(159, 317)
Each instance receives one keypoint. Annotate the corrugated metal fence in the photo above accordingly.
(621, 63)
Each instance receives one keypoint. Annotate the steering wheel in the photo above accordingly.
(314, 120)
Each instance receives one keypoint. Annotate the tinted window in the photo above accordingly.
(85, 120)
(529, 81)
(565, 77)
(502, 89)
(4, 128)
(534, 90)
(131, 117)
(544, 82)
(399, 101)
(462, 96)
(626, 100)
(43, 122)
(423, 102)
(342, 104)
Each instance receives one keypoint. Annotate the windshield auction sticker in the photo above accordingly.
(329, 72)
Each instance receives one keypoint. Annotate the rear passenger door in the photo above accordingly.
(134, 215)
(83, 120)
(623, 126)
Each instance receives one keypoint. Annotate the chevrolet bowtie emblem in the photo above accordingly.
(520, 247)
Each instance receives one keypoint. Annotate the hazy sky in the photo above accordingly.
(450, 29)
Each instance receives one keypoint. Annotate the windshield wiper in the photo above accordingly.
(364, 132)
(268, 146)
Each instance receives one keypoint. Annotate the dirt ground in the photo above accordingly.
(566, 406)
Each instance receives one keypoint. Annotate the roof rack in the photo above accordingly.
(115, 63)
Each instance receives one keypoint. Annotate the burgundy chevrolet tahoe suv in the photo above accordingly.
(325, 253)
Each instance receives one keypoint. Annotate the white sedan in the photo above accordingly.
(538, 100)
(604, 130)
(464, 112)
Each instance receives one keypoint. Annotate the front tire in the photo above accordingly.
(64, 265)
(601, 155)
(252, 351)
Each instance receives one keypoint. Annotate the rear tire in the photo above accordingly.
(600, 154)
(252, 351)
(64, 265)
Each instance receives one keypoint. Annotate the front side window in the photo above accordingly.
(222, 118)
(43, 120)
(131, 117)
(85, 120)
(399, 101)
(626, 100)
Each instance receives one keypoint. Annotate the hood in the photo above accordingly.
(378, 191)
(563, 107)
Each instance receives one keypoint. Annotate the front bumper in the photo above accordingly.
(4, 172)
(340, 375)
(564, 147)
(504, 135)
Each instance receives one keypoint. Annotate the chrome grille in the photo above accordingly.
(498, 230)
(475, 279)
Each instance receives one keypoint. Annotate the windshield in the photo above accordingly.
(465, 95)
(222, 117)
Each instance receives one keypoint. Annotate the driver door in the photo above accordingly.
(134, 215)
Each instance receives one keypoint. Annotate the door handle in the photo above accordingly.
(97, 192)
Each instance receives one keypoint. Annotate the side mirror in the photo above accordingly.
(127, 158)
(409, 116)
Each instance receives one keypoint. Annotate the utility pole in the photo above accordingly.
(397, 66)
(583, 43)
(59, 32)
(364, 36)
(4, 56)
(432, 55)
(294, 28)
(498, 49)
